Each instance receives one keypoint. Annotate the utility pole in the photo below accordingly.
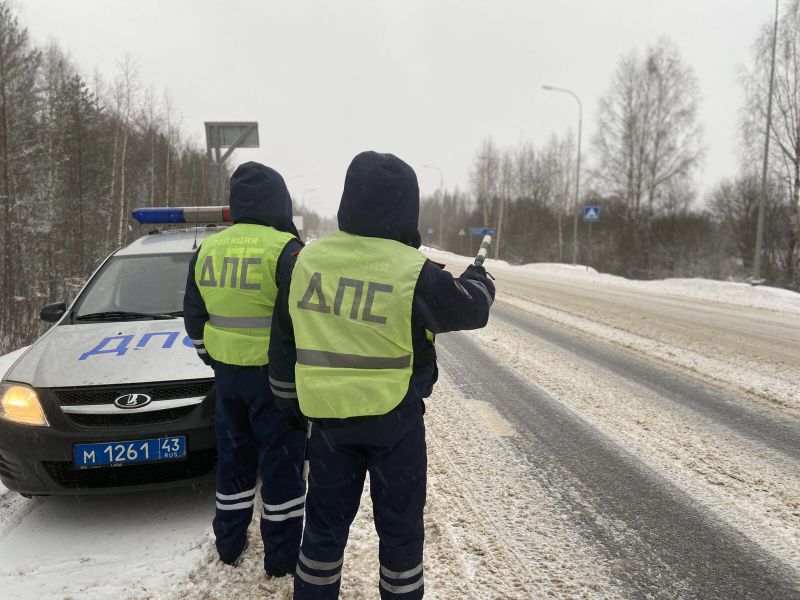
(441, 200)
(578, 169)
(760, 231)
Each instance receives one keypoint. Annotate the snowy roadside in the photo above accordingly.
(100, 547)
(753, 488)
(777, 386)
(724, 292)
(726, 343)
(491, 532)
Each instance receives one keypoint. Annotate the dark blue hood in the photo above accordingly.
(381, 199)
(259, 195)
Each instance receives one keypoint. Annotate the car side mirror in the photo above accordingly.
(53, 312)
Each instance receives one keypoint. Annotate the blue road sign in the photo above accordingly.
(481, 231)
(591, 213)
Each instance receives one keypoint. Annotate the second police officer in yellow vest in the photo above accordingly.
(353, 343)
(233, 281)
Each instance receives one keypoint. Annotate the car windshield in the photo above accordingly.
(152, 284)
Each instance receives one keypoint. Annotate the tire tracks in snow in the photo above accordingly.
(511, 538)
(723, 407)
(490, 532)
(661, 417)
(656, 540)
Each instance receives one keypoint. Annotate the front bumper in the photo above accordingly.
(39, 460)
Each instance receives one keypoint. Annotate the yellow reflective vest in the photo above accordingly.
(350, 302)
(235, 273)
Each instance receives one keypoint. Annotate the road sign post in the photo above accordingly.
(479, 231)
(230, 135)
(591, 214)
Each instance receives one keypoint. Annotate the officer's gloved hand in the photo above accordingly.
(480, 270)
(295, 420)
(206, 358)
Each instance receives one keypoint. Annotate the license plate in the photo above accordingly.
(122, 453)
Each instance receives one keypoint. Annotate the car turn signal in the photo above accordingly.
(20, 404)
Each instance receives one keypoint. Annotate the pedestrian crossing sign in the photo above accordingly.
(591, 213)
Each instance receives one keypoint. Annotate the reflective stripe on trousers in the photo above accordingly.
(316, 572)
(402, 582)
(287, 510)
(228, 501)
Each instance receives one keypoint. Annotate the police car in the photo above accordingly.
(113, 397)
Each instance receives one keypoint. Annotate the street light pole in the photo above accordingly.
(578, 168)
(441, 200)
(760, 230)
(303, 196)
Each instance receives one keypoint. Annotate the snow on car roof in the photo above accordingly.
(169, 241)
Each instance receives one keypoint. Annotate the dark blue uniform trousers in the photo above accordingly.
(252, 437)
(392, 449)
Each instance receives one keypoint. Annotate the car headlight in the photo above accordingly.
(20, 404)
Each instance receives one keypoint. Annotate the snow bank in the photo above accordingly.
(98, 547)
(704, 290)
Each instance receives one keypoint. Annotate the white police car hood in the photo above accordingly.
(109, 354)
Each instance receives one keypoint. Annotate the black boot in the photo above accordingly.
(238, 560)
(283, 572)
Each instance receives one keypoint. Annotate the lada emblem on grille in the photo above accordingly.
(132, 401)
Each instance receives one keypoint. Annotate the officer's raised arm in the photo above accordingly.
(445, 303)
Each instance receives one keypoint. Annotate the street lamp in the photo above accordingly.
(303, 196)
(578, 170)
(441, 199)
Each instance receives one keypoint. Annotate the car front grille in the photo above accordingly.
(157, 391)
(198, 464)
(128, 419)
(104, 397)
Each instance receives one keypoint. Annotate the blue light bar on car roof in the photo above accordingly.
(185, 214)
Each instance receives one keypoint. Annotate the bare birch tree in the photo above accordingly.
(785, 131)
(647, 135)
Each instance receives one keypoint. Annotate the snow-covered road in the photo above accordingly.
(601, 438)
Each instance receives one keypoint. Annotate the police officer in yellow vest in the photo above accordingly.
(354, 344)
(233, 281)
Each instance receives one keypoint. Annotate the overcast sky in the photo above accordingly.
(425, 80)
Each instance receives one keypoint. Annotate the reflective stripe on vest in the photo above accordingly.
(350, 301)
(240, 322)
(235, 273)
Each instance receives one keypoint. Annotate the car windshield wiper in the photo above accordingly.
(120, 315)
(175, 313)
